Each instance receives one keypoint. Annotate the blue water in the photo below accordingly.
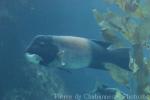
(21, 20)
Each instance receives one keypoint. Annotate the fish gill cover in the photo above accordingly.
(133, 24)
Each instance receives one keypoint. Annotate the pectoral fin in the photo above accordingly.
(61, 57)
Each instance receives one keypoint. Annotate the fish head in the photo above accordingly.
(41, 50)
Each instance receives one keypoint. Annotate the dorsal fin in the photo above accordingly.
(102, 43)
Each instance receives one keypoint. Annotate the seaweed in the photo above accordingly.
(133, 25)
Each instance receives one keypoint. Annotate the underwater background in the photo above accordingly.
(21, 20)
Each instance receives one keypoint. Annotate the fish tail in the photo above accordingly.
(120, 57)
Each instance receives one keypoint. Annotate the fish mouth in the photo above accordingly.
(33, 58)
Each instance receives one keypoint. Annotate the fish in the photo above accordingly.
(104, 90)
(72, 52)
(111, 93)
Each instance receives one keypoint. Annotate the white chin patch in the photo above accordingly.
(33, 58)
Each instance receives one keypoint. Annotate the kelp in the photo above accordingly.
(133, 24)
(114, 71)
(109, 28)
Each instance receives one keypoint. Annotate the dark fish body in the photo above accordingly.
(70, 52)
(111, 93)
